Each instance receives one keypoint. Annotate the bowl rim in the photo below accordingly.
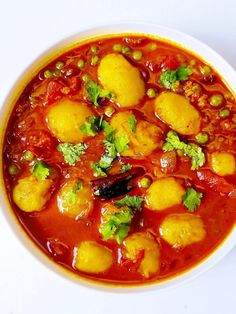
(173, 36)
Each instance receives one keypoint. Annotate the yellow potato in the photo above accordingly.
(178, 113)
(222, 163)
(118, 76)
(146, 138)
(143, 241)
(65, 118)
(92, 257)
(77, 203)
(31, 194)
(180, 230)
(164, 193)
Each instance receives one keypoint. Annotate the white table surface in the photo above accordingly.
(27, 28)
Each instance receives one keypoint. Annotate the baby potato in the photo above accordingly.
(178, 113)
(180, 230)
(118, 76)
(31, 194)
(164, 193)
(143, 241)
(222, 163)
(75, 203)
(65, 118)
(146, 138)
(92, 257)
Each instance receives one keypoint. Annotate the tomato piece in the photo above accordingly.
(216, 183)
(170, 63)
(163, 62)
(41, 143)
(53, 91)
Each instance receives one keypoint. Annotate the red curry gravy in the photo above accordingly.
(29, 139)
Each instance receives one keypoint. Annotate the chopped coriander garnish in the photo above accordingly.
(95, 92)
(72, 152)
(169, 77)
(121, 143)
(113, 146)
(118, 225)
(125, 168)
(192, 199)
(40, 170)
(130, 201)
(191, 150)
(71, 196)
(92, 126)
(103, 165)
(132, 122)
(78, 186)
(108, 129)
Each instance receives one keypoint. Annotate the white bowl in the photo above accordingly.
(187, 42)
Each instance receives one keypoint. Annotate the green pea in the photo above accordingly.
(152, 46)
(60, 65)
(125, 49)
(205, 70)
(28, 155)
(109, 111)
(137, 55)
(85, 78)
(151, 93)
(216, 100)
(117, 47)
(192, 62)
(47, 74)
(80, 64)
(224, 113)
(145, 182)
(94, 49)
(13, 169)
(56, 73)
(94, 60)
(202, 138)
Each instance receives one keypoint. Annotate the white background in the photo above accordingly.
(26, 29)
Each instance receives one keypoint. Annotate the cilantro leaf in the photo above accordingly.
(71, 197)
(40, 170)
(121, 232)
(108, 129)
(132, 122)
(125, 167)
(130, 201)
(92, 126)
(118, 225)
(72, 152)
(183, 73)
(98, 171)
(95, 92)
(100, 168)
(192, 199)
(191, 150)
(78, 186)
(169, 77)
(121, 143)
